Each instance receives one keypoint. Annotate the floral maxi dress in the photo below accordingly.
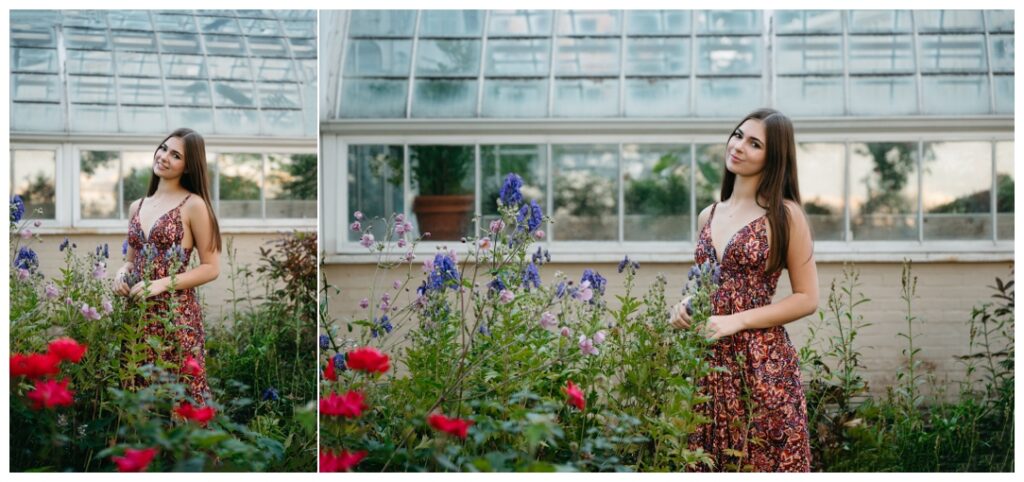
(757, 408)
(157, 252)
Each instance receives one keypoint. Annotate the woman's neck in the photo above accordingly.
(744, 191)
(167, 187)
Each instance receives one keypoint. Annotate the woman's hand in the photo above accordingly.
(722, 326)
(156, 287)
(680, 318)
(120, 285)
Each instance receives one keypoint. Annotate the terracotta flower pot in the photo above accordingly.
(444, 217)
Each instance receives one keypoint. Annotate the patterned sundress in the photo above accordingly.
(770, 429)
(159, 249)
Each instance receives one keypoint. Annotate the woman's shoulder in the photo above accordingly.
(134, 207)
(704, 215)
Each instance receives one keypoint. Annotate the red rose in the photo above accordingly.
(453, 426)
(350, 405)
(67, 349)
(575, 395)
(191, 367)
(329, 372)
(50, 394)
(35, 365)
(202, 416)
(340, 462)
(134, 460)
(368, 359)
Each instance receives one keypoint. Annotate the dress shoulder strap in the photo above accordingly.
(182, 203)
(712, 214)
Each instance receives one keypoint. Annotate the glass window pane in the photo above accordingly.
(36, 117)
(96, 62)
(585, 191)
(128, 19)
(451, 23)
(588, 56)
(99, 90)
(135, 64)
(729, 21)
(86, 38)
(820, 172)
(374, 187)
(33, 177)
(279, 96)
(729, 55)
(373, 98)
(957, 53)
(34, 28)
(308, 68)
(657, 56)
(174, 22)
(710, 169)
(261, 27)
(187, 92)
(236, 68)
(35, 87)
(98, 190)
(34, 60)
(240, 178)
(808, 21)
(184, 43)
(589, 22)
(1000, 20)
(497, 161)
(237, 121)
(957, 190)
(291, 186)
(218, 25)
(809, 55)
(586, 97)
(184, 66)
(143, 119)
(384, 23)
(871, 54)
(656, 192)
(300, 28)
(233, 94)
(134, 41)
(879, 21)
(141, 91)
(85, 18)
(883, 95)
(267, 47)
(444, 98)
(224, 45)
(441, 180)
(519, 23)
(276, 70)
(657, 22)
(302, 48)
(282, 122)
(448, 58)
(883, 191)
(136, 169)
(378, 57)
(518, 57)
(948, 20)
(515, 98)
(1004, 189)
(810, 96)
(1003, 85)
(727, 97)
(652, 97)
(200, 119)
(1001, 47)
(955, 94)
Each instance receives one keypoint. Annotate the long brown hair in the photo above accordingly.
(778, 180)
(194, 180)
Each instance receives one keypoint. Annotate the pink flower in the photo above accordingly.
(575, 395)
(506, 297)
(23, 274)
(89, 312)
(384, 306)
(399, 218)
(539, 234)
(428, 265)
(99, 271)
(585, 292)
(426, 234)
(599, 337)
(26, 234)
(566, 332)
(452, 426)
(485, 244)
(497, 225)
(51, 291)
(409, 257)
(50, 394)
(37, 223)
(341, 462)
(357, 215)
(350, 405)
(107, 306)
(366, 241)
(396, 284)
(399, 228)
(355, 226)
(134, 460)
(364, 303)
(408, 228)
(587, 346)
(548, 320)
(401, 243)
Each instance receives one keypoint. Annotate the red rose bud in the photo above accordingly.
(340, 462)
(202, 416)
(575, 395)
(67, 349)
(368, 359)
(350, 405)
(134, 460)
(50, 393)
(34, 365)
(192, 367)
(329, 372)
(452, 426)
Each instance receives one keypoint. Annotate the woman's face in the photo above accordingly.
(746, 150)
(169, 159)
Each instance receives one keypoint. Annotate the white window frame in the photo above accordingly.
(62, 209)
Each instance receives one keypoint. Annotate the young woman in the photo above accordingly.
(757, 408)
(165, 227)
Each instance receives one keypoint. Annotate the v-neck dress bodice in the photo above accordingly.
(157, 255)
(761, 362)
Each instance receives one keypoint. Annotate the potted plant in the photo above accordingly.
(444, 205)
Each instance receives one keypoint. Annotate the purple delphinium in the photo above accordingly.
(26, 259)
(339, 361)
(596, 280)
(628, 263)
(124, 248)
(17, 208)
(383, 324)
(531, 276)
(541, 256)
(509, 194)
(560, 290)
(325, 342)
(496, 285)
(64, 244)
(270, 394)
(444, 273)
(530, 214)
